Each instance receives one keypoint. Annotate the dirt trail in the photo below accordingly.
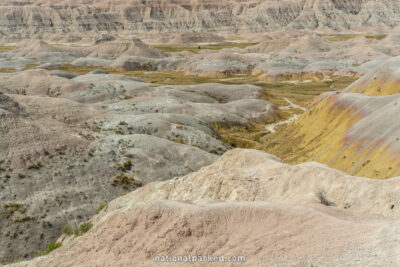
(271, 127)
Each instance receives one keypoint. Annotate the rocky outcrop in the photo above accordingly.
(38, 17)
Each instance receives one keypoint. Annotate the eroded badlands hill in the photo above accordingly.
(226, 209)
(380, 81)
(40, 17)
(69, 145)
(79, 129)
(89, 112)
(356, 130)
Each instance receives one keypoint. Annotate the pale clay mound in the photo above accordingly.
(309, 53)
(82, 129)
(294, 55)
(250, 175)
(115, 49)
(187, 38)
(226, 209)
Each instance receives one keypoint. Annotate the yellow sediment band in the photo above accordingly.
(321, 135)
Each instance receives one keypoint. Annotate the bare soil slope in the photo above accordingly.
(221, 210)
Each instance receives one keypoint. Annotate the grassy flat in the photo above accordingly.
(4, 48)
(300, 93)
(175, 48)
(346, 37)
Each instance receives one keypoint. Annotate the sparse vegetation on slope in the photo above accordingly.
(50, 248)
(101, 207)
(83, 228)
(125, 181)
(67, 229)
(12, 207)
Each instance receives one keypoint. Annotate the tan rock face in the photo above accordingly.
(36, 17)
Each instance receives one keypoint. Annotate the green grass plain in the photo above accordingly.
(175, 48)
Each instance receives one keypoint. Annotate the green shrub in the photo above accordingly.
(12, 207)
(67, 229)
(127, 166)
(49, 249)
(101, 208)
(125, 181)
(24, 218)
(34, 166)
(119, 131)
(83, 228)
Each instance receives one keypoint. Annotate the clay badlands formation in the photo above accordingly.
(262, 131)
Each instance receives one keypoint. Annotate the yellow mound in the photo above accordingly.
(323, 134)
(380, 81)
(377, 87)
